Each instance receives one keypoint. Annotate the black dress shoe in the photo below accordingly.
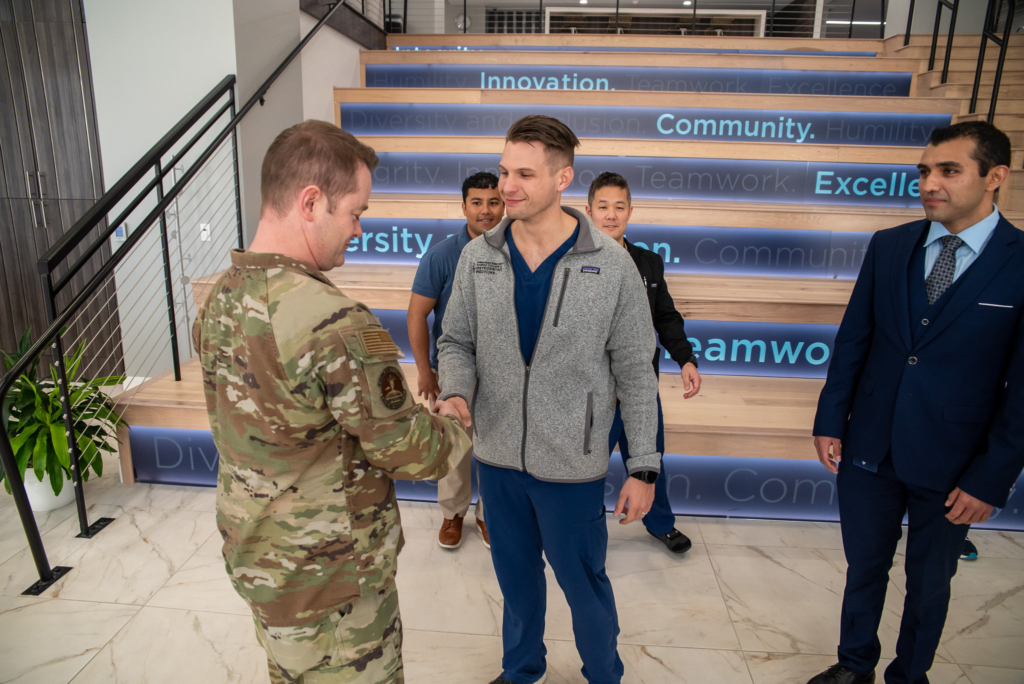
(839, 674)
(502, 680)
(676, 541)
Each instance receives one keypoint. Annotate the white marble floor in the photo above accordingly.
(753, 602)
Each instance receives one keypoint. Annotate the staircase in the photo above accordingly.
(753, 403)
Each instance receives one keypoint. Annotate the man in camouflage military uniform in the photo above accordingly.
(313, 419)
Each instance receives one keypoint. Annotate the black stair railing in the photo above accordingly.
(80, 251)
(989, 33)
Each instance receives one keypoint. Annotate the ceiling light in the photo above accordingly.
(583, 2)
(687, 3)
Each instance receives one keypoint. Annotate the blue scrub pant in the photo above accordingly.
(565, 521)
(871, 510)
(660, 519)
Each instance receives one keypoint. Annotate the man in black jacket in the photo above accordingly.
(609, 205)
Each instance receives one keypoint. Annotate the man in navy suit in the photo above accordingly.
(921, 411)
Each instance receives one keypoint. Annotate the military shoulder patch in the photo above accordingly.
(378, 342)
(392, 388)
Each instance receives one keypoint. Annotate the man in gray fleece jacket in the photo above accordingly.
(547, 326)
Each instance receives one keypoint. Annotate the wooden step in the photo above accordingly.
(674, 213)
(927, 79)
(582, 40)
(1004, 122)
(645, 59)
(967, 52)
(732, 416)
(963, 91)
(1004, 105)
(669, 212)
(1010, 66)
(857, 154)
(697, 296)
(647, 98)
(893, 43)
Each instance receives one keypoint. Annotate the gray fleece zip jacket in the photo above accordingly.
(551, 419)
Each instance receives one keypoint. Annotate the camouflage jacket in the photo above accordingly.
(312, 417)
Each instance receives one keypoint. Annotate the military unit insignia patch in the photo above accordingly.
(392, 388)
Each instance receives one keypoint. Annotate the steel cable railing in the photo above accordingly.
(105, 304)
(771, 18)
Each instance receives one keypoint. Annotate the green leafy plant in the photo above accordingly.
(33, 418)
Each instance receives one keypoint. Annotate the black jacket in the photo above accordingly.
(668, 323)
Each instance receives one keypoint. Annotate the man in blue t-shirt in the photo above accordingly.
(483, 208)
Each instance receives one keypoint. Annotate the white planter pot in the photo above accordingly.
(41, 496)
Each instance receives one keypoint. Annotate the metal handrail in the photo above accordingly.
(77, 235)
(1003, 42)
(953, 6)
(94, 216)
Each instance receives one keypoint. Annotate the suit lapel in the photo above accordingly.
(901, 262)
(978, 275)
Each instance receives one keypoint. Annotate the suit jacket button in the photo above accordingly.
(925, 321)
(912, 360)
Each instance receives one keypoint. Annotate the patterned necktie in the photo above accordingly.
(941, 276)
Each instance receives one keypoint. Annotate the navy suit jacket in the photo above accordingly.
(951, 406)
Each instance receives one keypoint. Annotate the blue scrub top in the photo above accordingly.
(532, 289)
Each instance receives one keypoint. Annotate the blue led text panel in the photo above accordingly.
(712, 250)
(780, 350)
(668, 79)
(765, 488)
(656, 123)
(677, 178)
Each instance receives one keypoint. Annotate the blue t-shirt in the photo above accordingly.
(434, 279)
(532, 289)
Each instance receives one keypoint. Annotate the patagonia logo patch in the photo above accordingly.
(590, 269)
(487, 267)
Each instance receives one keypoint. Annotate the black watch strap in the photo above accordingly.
(645, 476)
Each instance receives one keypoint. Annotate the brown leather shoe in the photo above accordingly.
(450, 536)
(482, 526)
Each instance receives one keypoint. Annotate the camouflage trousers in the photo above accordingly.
(361, 643)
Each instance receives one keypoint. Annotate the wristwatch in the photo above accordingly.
(645, 476)
(692, 359)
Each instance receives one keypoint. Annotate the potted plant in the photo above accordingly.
(33, 418)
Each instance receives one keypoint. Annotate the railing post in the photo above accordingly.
(47, 575)
(616, 17)
(935, 34)
(910, 24)
(853, 14)
(65, 401)
(234, 164)
(1007, 29)
(881, 21)
(168, 287)
(981, 58)
(693, 22)
(771, 22)
(949, 39)
(465, 15)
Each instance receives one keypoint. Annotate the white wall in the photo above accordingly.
(329, 61)
(266, 31)
(151, 63)
(970, 17)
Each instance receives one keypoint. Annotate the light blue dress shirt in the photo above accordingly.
(975, 238)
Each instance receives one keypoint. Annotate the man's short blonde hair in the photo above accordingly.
(312, 153)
